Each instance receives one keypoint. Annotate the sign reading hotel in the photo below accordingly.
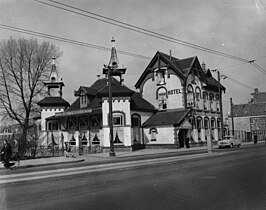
(174, 91)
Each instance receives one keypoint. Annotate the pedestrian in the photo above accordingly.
(187, 142)
(67, 149)
(6, 153)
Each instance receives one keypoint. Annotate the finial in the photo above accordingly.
(113, 42)
(53, 60)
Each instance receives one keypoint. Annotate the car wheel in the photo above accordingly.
(238, 145)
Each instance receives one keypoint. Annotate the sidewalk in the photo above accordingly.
(101, 157)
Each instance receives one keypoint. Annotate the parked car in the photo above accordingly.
(229, 141)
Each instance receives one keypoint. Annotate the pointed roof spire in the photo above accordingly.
(53, 75)
(114, 59)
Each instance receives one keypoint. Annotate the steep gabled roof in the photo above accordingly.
(212, 83)
(138, 103)
(182, 67)
(164, 58)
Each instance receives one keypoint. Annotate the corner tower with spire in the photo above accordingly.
(53, 102)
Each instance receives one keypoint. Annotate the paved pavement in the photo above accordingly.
(100, 157)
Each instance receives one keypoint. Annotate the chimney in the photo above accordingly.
(256, 90)
(203, 66)
(170, 55)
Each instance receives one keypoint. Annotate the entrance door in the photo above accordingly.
(181, 137)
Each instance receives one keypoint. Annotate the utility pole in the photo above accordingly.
(232, 117)
(221, 106)
(112, 152)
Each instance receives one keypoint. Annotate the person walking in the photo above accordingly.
(6, 153)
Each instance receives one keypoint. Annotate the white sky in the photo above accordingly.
(235, 27)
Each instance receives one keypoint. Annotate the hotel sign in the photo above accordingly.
(75, 112)
(174, 91)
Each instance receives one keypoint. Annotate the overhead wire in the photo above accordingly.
(139, 29)
(147, 32)
(71, 41)
(57, 38)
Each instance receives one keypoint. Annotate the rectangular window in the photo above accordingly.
(117, 120)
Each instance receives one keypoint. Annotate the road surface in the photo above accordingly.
(229, 179)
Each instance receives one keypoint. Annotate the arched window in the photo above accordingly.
(162, 96)
(206, 122)
(135, 121)
(211, 97)
(190, 96)
(213, 123)
(205, 100)
(217, 100)
(198, 96)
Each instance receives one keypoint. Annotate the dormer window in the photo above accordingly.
(83, 101)
(160, 76)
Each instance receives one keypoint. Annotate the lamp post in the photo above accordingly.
(112, 152)
(111, 70)
(221, 106)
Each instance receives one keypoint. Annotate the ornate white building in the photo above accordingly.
(176, 99)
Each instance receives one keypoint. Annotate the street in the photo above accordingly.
(227, 179)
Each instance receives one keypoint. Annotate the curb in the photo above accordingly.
(45, 164)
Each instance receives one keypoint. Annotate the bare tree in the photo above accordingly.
(24, 65)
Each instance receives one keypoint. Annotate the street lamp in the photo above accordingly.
(111, 70)
(111, 152)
